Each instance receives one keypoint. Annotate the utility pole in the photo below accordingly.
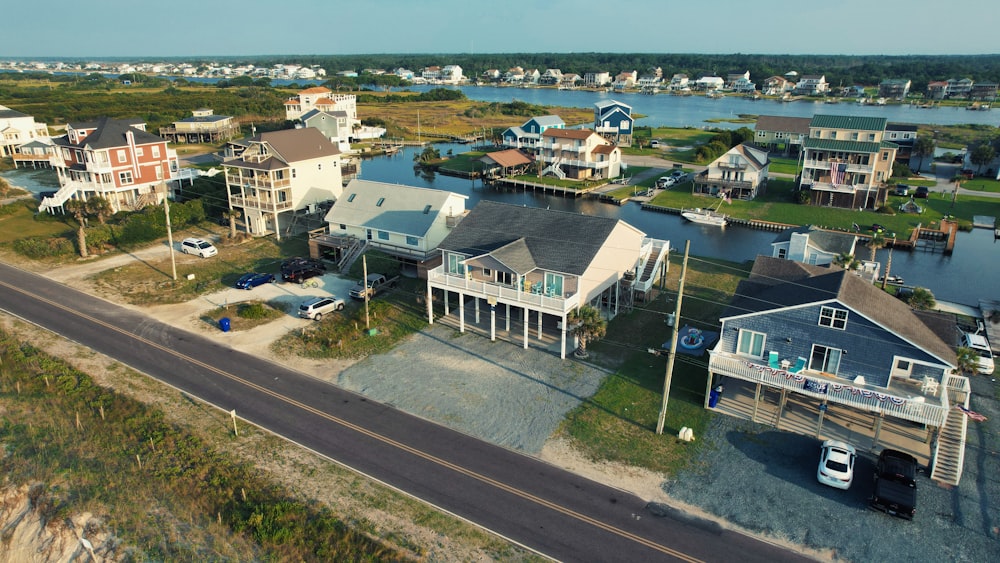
(364, 282)
(673, 342)
(170, 233)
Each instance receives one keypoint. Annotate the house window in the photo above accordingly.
(138, 151)
(412, 241)
(343, 227)
(351, 197)
(782, 253)
(825, 359)
(553, 284)
(885, 155)
(427, 209)
(293, 173)
(833, 318)
(455, 265)
(383, 235)
(488, 273)
(751, 343)
(121, 156)
(156, 151)
(380, 201)
(159, 173)
(903, 365)
(854, 136)
(871, 137)
(125, 177)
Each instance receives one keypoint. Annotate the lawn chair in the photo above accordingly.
(800, 364)
(772, 360)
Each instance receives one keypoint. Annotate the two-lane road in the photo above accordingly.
(557, 513)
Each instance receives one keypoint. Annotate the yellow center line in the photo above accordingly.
(374, 435)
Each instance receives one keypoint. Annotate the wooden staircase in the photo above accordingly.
(949, 450)
(651, 262)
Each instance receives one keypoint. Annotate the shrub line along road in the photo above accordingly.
(550, 510)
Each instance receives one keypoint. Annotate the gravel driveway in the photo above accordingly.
(765, 480)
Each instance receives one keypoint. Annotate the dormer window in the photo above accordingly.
(351, 197)
(380, 201)
(833, 318)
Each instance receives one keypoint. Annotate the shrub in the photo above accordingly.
(43, 247)
(251, 311)
(802, 196)
(901, 170)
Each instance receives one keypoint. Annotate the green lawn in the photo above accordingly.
(781, 165)
(982, 185)
(464, 162)
(18, 221)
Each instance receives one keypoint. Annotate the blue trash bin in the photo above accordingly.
(224, 324)
(714, 395)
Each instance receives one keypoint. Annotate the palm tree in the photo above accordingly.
(232, 215)
(78, 209)
(982, 155)
(99, 207)
(877, 241)
(588, 324)
(968, 360)
(847, 261)
(923, 147)
(922, 299)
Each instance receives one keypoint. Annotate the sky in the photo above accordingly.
(206, 28)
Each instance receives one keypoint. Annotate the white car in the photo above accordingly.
(316, 307)
(836, 464)
(198, 246)
(981, 346)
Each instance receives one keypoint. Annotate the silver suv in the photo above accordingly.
(316, 307)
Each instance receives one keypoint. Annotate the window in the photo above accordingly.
(125, 177)
(343, 227)
(825, 359)
(293, 173)
(121, 156)
(351, 197)
(487, 273)
(553, 284)
(159, 173)
(751, 343)
(412, 241)
(885, 155)
(383, 235)
(455, 265)
(782, 253)
(380, 201)
(427, 209)
(833, 318)
(871, 137)
(138, 151)
(854, 136)
(156, 151)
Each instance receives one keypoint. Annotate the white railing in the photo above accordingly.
(851, 167)
(647, 248)
(838, 391)
(504, 294)
(57, 199)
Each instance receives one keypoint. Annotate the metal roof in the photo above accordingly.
(855, 122)
(390, 207)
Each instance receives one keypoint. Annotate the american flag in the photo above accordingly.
(837, 172)
(971, 414)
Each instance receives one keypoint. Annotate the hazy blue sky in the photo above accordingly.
(188, 28)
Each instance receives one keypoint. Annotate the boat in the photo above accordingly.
(893, 280)
(706, 216)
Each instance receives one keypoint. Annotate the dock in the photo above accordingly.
(984, 222)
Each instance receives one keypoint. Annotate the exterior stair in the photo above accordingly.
(352, 254)
(57, 199)
(555, 168)
(949, 452)
(651, 263)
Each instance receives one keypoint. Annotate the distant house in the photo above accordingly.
(812, 85)
(528, 135)
(202, 127)
(596, 79)
(744, 86)
(741, 173)
(578, 154)
(937, 90)
(572, 80)
(983, 91)
(679, 82)
(710, 83)
(323, 99)
(406, 222)
(625, 79)
(894, 88)
(551, 77)
(613, 121)
(989, 170)
(733, 77)
(904, 135)
(281, 176)
(39, 153)
(812, 245)
(491, 75)
(17, 128)
(535, 266)
(514, 75)
(452, 74)
(781, 134)
(531, 76)
(335, 126)
(775, 86)
(847, 161)
(959, 87)
(431, 73)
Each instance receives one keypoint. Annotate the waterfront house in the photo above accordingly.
(733, 77)
(406, 222)
(983, 91)
(827, 336)
(894, 88)
(846, 161)
(709, 83)
(551, 77)
(776, 86)
(334, 125)
(17, 128)
(281, 179)
(323, 99)
(811, 245)
(529, 134)
(937, 90)
(539, 265)
(39, 153)
(989, 170)
(679, 82)
(578, 154)
(514, 75)
(740, 173)
(777, 133)
(812, 85)
(596, 79)
(959, 88)
(202, 127)
(903, 135)
(116, 159)
(506, 163)
(613, 121)
(452, 74)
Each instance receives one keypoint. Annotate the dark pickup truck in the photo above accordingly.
(895, 484)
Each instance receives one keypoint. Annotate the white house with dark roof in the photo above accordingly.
(335, 125)
(811, 245)
(538, 265)
(404, 221)
(528, 135)
(17, 128)
(827, 336)
(812, 85)
(281, 176)
(740, 173)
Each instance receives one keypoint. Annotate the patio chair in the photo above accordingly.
(930, 386)
(800, 364)
(772, 360)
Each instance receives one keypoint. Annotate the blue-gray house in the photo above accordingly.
(528, 135)
(613, 121)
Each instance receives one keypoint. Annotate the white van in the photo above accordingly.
(980, 346)
(198, 246)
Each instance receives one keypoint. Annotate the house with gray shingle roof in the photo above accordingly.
(812, 245)
(528, 135)
(740, 173)
(538, 265)
(779, 133)
(281, 176)
(17, 128)
(846, 162)
(579, 154)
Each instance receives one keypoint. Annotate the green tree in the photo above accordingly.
(877, 241)
(922, 148)
(922, 299)
(982, 155)
(588, 324)
(78, 209)
(429, 153)
(99, 207)
(968, 360)
(847, 261)
(232, 215)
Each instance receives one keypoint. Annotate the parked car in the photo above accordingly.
(978, 344)
(836, 464)
(922, 191)
(901, 189)
(665, 182)
(877, 228)
(895, 484)
(316, 307)
(253, 279)
(967, 173)
(298, 270)
(654, 144)
(198, 246)
(375, 284)
(677, 174)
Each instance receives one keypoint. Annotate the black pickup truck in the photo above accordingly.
(895, 484)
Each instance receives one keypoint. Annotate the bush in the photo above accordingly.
(251, 311)
(901, 170)
(802, 196)
(44, 247)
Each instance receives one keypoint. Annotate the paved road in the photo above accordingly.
(557, 513)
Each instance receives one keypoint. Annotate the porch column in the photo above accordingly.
(708, 386)
(822, 413)
(540, 324)
(277, 227)
(461, 312)
(493, 322)
(477, 309)
(526, 318)
(562, 342)
(756, 403)
(508, 317)
(447, 306)
(781, 407)
(430, 304)
(618, 294)
(878, 429)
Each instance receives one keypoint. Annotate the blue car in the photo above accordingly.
(252, 280)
